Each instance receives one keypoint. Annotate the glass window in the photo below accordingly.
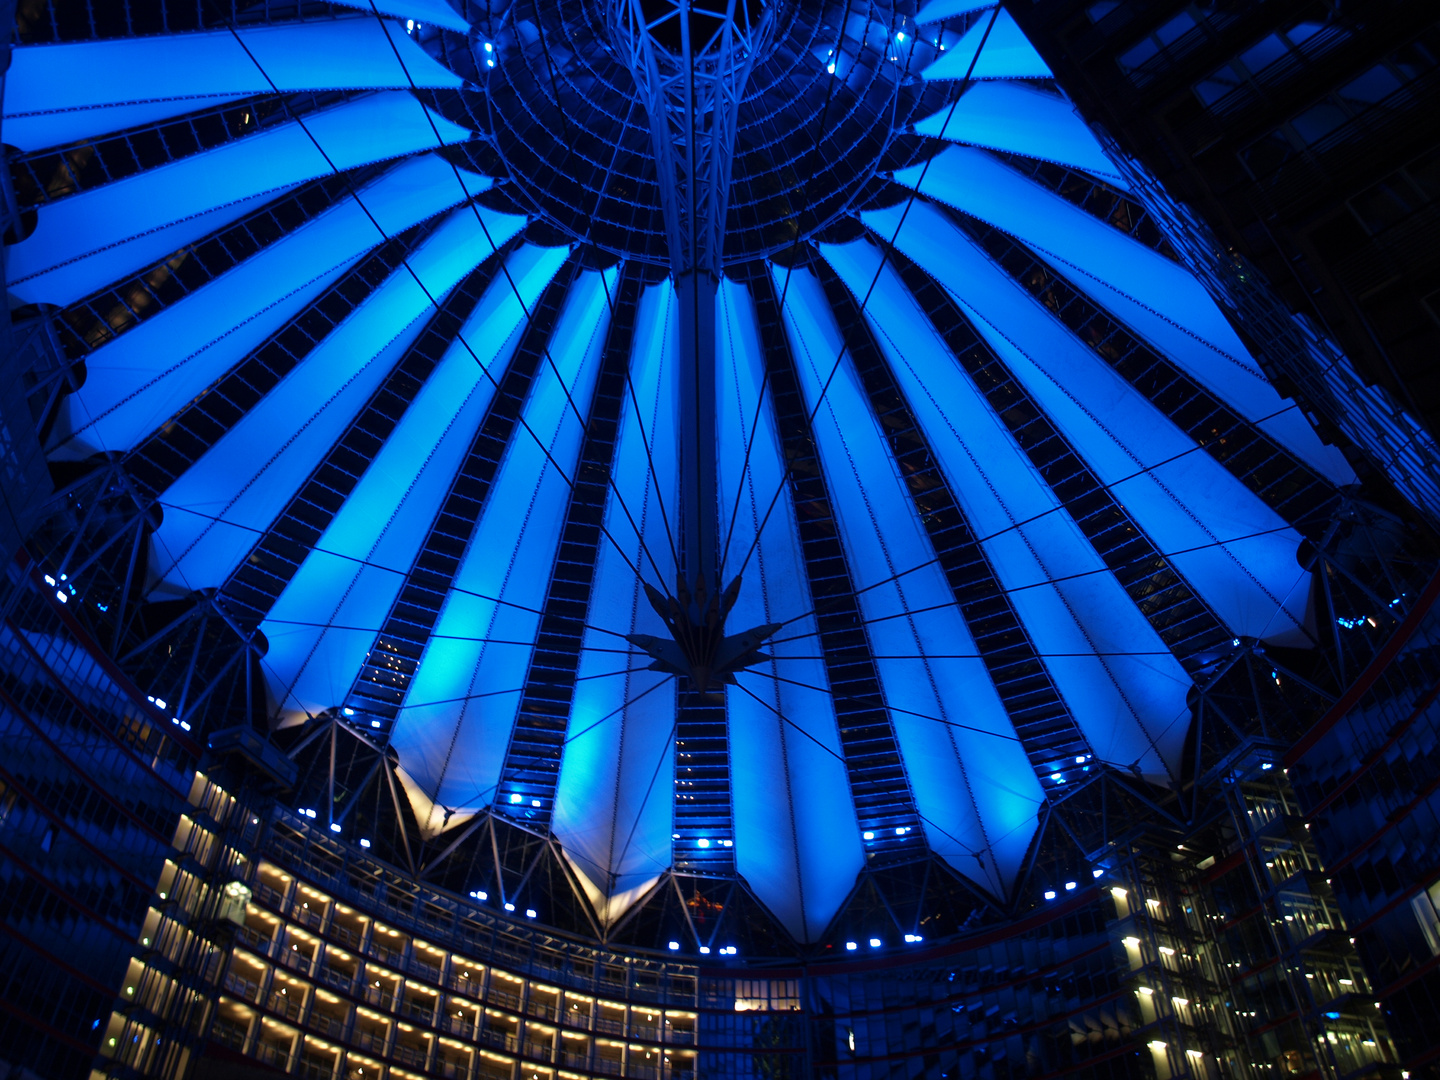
(1176, 28)
(1221, 81)
(1263, 53)
(1374, 85)
(1384, 204)
(1318, 121)
(1424, 908)
(1425, 172)
(1416, 59)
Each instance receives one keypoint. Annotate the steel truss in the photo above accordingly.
(202, 661)
(693, 97)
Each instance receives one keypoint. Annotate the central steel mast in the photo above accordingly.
(692, 63)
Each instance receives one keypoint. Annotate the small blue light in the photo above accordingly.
(509, 907)
(489, 47)
(534, 802)
(348, 712)
(515, 798)
(899, 832)
(1097, 873)
(1069, 886)
(850, 946)
(529, 912)
(334, 826)
(374, 723)
(875, 943)
(1049, 894)
(674, 946)
(1079, 759)
(702, 842)
(1266, 766)
(868, 835)
(704, 950)
(365, 843)
(900, 35)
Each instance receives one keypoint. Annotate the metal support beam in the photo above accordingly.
(699, 524)
(691, 64)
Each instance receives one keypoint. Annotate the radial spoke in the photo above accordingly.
(874, 281)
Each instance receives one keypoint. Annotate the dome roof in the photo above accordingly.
(374, 309)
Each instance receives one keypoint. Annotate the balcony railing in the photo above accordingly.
(229, 1034)
(242, 988)
(254, 939)
(408, 1055)
(504, 998)
(284, 1005)
(327, 1025)
(315, 1068)
(338, 980)
(373, 1041)
(418, 1009)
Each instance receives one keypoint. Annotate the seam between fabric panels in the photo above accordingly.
(1142, 469)
(1018, 527)
(905, 604)
(545, 468)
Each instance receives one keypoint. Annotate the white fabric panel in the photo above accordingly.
(937, 10)
(1159, 298)
(356, 569)
(37, 130)
(797, 840)
(143, 377)
(1016, 117)
(326, 619)
(385, 125)
(172, 74)
(434, 12)
(973, 786)
(614, 801)
(90, 273)
(1006, 55)
(1235, 551)
(1131, 708)
(247, 477)
(456, 724)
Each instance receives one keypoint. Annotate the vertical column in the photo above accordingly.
(699, 526)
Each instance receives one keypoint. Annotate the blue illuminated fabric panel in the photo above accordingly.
(864, 465)
(127, 82)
